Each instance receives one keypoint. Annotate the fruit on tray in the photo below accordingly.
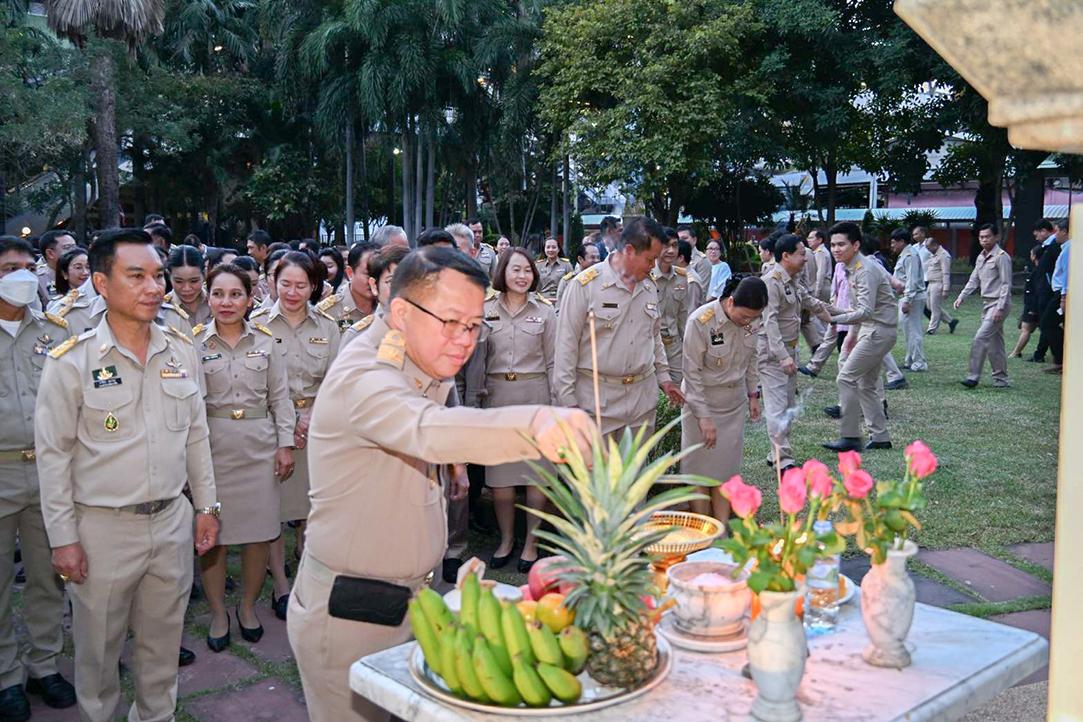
(528, 608)
(502, 659)
(543, 578)
(552, 613)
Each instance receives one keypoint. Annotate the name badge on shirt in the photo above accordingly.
(717, 339)
(533, 319)
(255, 354)
(212, 357)
(317, 340)
(173, 370)
(105, 377)
(652, 306)
(609, 305)
(492, 318)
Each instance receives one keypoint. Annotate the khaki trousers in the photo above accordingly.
(937, 310)
(325, 647)
(458, 517)
(43, 599)
(913, 326)
(891, 366)
(989, 342)
(813, 330)
(675, 359)
(857, 381)
(825, 349)
(779, 405)
(139, 577)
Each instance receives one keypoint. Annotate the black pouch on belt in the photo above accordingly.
(368, 600)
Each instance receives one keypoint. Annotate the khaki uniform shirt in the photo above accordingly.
(198, 319)
(697, 289)
(378, 432)
(250, 375)
(938, 269)
(523, 342)
(702, 266)
(820, 266)
(781, 324)
(672, 302)
(992, 276)
(549, 275)
(872, 299)
(628, 328)
(342, 308)
(487, 259)
(84, 314)
(47, 281)
(309, 349)
(356, 329)
(717, 353)
(908, 270)
(563, 285)
(113, 432)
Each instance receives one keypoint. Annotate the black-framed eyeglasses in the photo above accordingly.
(452, 329)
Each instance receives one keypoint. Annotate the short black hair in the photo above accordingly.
(671, 232)
(684, 250)
(153, 218)
(278, 246)
(214, 256)
(433, 236)
(900, 234)
(160, 230)
(185, 256)
(260, 238)
(640, 233)
(49, 239)
(272, 257)
(607, 223)
(747, 291)
(421, 268)
(689, 228)
(358, 251)
(310, 264)
(1043, 224)
(768, 244)
(14, 243)
(246, 263)
(385, 258)
(500, 283)
(786, 243)
(582, 252)
(821, 234)
(471, 221)
(104, 248)
(231, 269)
(851, 230)
(988, 227)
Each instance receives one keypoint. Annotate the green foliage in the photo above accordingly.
(286, 185)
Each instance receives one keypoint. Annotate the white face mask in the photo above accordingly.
(19, 288)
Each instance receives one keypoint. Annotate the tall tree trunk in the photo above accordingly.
(566, 226)
(472, 188)
(349, 184)
(511, 218)
(365, 217)
(407, 183)
(139, 186)
(1028, 201)
(553, 204)
(831, 171)
(78, 194)
(430, 182)
(419, 178)
(102, 86)
(391, 204)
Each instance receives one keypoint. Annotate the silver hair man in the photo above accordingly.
(391, 236)
(464, 237)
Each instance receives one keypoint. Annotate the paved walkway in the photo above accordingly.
(259, 682)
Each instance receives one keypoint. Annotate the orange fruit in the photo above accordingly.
(528, 608)
(551, 612)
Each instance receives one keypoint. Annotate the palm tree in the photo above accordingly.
(129, 21)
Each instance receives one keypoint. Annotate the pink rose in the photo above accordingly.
(744, 499)
(858, 484)
(921, 458)
(819, 478)
(792, 490)
(849, 462)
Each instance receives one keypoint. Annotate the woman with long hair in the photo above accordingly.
(188, 296)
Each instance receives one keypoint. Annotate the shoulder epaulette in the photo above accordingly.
(327, 303)
(680, 271)
(180, 311)
(587, 276)
(706, 316)
(777, 276)
(64, 347)
(58, 320)
(858, 266)
(363, 323)
(178, 333)
(490, 293)
(392, 350)
(260, 311)
(654, 274)
(168, 298)
(198, 329)
(1001, 252)
(564, 259)
(567, 276)
(264, 329)
(326, 315)
(543, 299)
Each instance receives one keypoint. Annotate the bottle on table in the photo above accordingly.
(822, 589)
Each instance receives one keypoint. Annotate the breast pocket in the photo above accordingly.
(256, 370)
(717, 356)
(606, 314)
(108, 413)
(316, 363)
(178, 403)
(37, 363)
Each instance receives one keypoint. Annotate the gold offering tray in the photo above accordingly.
(693, 532)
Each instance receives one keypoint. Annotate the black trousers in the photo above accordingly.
(1044, 304)
(1052, 326)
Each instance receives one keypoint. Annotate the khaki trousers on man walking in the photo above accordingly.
(938, 312)
(857, 382)
(139, 576)
(779, 406)
(913, 325)
(989, 342)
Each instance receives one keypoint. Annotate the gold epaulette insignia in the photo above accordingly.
(392, 349)
(64, 347)
(178, 333)
(264, 329)
(364, 323)
(858, 266)
(680, 271)
(567, 276)
(327, 303)
(543, 299)
(180, 311)
(587, 276)
(654, 274)
(706, 316)
(58, 320)
(260, 312)
(323, 313)
(777, 276)
(198, 329)
(490, 293)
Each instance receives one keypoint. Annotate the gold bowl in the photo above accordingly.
(692, 533)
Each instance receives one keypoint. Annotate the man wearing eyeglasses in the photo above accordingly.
(379, 431)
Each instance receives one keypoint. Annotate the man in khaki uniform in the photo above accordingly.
(697, 289)
(84, 310)
(632, 361)
(992, 276)
(121, 431)
(355, 299)
(938, 283)
(873, 324)
(585, 258)
(551, 268)
(54, 244)
(379, 431)
(779, 334)
(25, 338)
(909, 272)
(672, 283)
(699, 261)
(817, 279)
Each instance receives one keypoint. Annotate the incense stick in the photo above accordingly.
(594, 372)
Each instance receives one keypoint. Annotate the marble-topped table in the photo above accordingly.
(959, 663)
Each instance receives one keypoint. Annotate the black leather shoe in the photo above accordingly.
(55, 691)
(834, 412)
(524, 566)
(807, 371)
(217, 644)
(248, 634)
(951, 326)
(897, 385)
(496, 562)
(451, 570)
(14, 706)
(280, 605)
(185, 657)
(873, 445)
(969, 383)
(846, 443)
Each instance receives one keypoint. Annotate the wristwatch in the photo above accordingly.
(214, 510)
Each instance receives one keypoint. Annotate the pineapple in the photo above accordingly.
(602, 509)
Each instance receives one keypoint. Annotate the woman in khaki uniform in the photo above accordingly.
(188, 296)
(518, 366)
(310, 339)
(251, 424)
(720, 381)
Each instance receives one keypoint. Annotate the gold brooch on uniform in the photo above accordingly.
(111, 423)
(173, 370)
(42, 346)
(105, 377)
(316, 339)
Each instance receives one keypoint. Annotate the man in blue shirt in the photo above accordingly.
(1052, 321)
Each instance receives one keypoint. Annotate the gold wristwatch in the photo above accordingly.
(214, 510)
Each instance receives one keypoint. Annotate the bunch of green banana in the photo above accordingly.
(490, 654)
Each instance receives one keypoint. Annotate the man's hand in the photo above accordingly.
(300, 431)
(958, 302)
(823, 315)
(673, 393)
(788, 366)
(206, 533)
(460, 483)
(69, 561)
(708, 432)
(555, 428)
(850, 342)
(906, 307)
(753, 408)
(998, 315)
(283, 463)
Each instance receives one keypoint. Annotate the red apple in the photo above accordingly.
(525, 591)
(543, 578)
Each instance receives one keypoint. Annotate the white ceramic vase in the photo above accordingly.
(776, 657)
(887, 608)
